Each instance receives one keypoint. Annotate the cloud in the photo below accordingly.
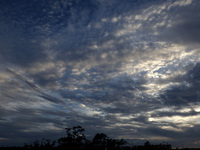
(185, 93)
(182, 28)
(126, 66)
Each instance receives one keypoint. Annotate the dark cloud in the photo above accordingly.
(184, 94)
(175, 112)
(184, 24)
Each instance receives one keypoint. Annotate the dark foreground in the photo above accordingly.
(91, 146)
(76, 140)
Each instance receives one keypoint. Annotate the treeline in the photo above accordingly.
(76, 140)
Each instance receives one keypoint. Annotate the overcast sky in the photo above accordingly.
(127, 68)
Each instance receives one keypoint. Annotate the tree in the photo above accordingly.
(100, 138)
(147, 143)
(75, 138)
(47, 144)
(115, 144)
(99, 141)
(102, 141)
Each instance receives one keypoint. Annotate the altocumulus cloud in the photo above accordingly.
(125, 66)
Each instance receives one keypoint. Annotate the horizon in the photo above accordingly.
(129, 69)
(131, 143)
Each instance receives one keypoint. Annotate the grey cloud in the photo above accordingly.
(43, 81)
(118, 92)
(31, 85)
(32, 93)
(184, 24)
(157, 132)
(183, 95)
(28, 124)
(20, 51)
(73, 41)
(175, 113)
(17, 35)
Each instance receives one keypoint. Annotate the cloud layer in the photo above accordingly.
(131, 67)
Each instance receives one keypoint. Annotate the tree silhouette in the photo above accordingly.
(75, 138)
(99, 141)
(115, 144)
(102, 141)
(47, 144)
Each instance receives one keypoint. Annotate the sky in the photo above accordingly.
(126, 68)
